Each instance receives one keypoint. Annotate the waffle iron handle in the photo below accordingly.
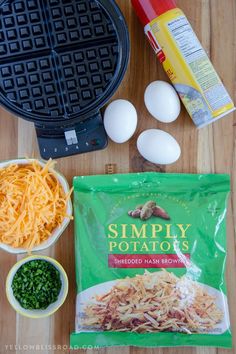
(85, 136)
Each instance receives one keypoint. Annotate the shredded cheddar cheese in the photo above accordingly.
(32, 204)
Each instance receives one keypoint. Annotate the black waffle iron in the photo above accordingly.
(60, 62)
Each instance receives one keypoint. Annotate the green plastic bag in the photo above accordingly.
(150, 260)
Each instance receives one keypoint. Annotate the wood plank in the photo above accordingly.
(8, 149)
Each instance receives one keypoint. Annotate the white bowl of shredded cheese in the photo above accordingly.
(35, 205)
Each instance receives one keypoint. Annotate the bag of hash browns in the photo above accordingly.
(150, 260)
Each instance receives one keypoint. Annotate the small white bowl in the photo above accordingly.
(60, 229)
(51, 308)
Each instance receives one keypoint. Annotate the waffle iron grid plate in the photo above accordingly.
(60, 62)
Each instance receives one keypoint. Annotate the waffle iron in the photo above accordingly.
(60, 62)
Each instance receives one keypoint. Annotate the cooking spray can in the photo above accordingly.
(184, 60)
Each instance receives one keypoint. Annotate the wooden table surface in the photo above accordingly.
(211, 149)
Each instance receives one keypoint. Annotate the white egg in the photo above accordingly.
(120, 120)
(158, 147)
(162, 101)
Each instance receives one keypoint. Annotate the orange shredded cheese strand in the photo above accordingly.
(32, 204)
